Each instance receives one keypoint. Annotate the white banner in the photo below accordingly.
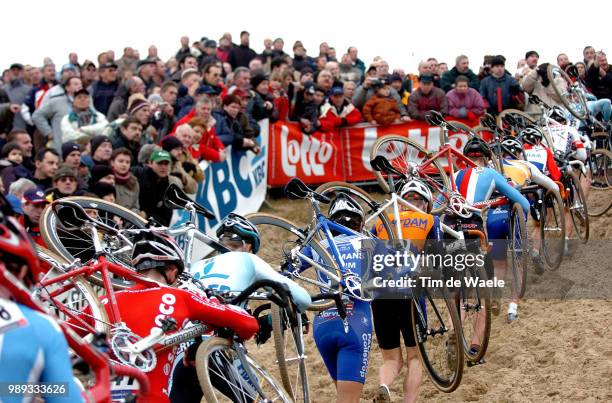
(237, 185)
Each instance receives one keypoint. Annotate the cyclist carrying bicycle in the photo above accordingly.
(392, 316)
(32, 346)
(158, 258)
(344, 345)
(477, 185)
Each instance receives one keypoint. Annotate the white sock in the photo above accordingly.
(513, 308)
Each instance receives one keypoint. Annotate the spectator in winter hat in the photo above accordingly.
(101, 149)
(261, 105)
(381, 108)
(65, 183)
(101, 173)
(338, 111)
(128, 136)
(105, 191)
(33, 203)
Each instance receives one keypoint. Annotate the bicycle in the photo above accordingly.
(129, 348)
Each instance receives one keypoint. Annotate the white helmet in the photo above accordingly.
(417, 186)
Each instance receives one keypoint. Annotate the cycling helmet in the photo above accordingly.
(531, 135)
(16, 246)
(558, 114)
(156, 251)
(242, 227)
(476, 147)
(346, 211)
(512, 145)
(417, 186)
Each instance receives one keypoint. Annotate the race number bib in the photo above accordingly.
(11, 316)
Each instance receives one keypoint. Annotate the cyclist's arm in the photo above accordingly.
(552, 167)
(540, 179)
(502, 186)
(214, 313)
(578, 145)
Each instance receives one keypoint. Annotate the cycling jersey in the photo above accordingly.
(477, 185)
(415, 226)
(344, 345)
(565, 138)
(33, 349)
(543, 159)
(235, 271)
(522, 172)
(183, 306)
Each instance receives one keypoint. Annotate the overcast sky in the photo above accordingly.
(402, 32)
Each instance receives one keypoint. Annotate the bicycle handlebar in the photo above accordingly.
(283, 300)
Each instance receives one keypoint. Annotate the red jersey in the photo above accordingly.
(142, 309)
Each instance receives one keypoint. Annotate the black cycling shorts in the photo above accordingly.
(392, 316)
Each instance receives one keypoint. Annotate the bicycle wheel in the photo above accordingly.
(437, 329)
(289, 349)
(282, 241)
(577, 205)
(224, 378)
(78, 244)
(599, 199)
(467, 131)
(72, 297)
(518, 246)
(474, 307)
(523, 119)
(552, 229)
(408, 157)
(571, 96)
(369, 205)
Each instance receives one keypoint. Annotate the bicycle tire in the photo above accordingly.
(217, 345)
(77, 244)
(599, 200)
(435, 168)
(552, 259)
(329, 189)
(522, 114)
(577, 205)
(423, 334)
(272, 241)
(283, 333)
(519, 261)
(552, 71)
(482, 301)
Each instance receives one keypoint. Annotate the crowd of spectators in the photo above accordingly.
(123, 129)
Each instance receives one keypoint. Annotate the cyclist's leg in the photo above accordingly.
(185, 384)
(414, 369)
(325, 333)
(387, 331)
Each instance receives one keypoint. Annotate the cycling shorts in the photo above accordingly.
(498, 228)
(392, 317)
(345, 351)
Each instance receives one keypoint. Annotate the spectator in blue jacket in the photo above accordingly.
(103, 91)
(499, 88)
(231, 127)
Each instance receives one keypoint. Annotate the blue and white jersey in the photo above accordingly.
(235, 271)
(33, 349)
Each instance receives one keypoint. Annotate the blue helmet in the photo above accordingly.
(242, 227)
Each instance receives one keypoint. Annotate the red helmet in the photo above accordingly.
(15, 243)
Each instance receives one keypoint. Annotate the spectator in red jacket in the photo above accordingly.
(338, 111)
(427, 98)
(463, 101)
(206, 142)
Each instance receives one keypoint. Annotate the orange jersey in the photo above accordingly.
(414, 226)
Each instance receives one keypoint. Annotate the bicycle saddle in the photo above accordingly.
(434, 118)
(175, 198)
(382, 164)
(296, 189)
(73, 217)
(488, 121)
(510, 120)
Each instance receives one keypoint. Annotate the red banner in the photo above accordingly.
(340, 155)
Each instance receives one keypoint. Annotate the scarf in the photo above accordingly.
(83, 118)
